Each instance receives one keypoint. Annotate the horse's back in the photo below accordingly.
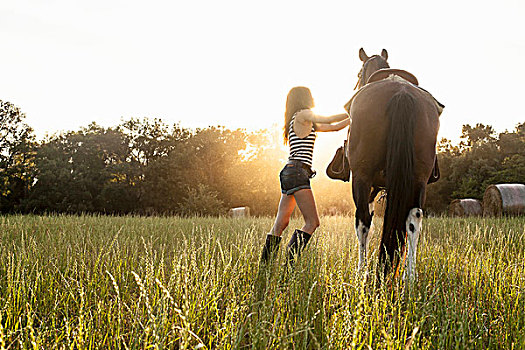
(370, 125)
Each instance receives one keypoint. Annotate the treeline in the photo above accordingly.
(481, 158)
(142, 166)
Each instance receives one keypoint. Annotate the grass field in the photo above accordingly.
(131, 282)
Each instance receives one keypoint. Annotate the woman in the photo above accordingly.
(300, 127)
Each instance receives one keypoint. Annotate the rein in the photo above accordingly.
(360, 74)
(358, 80)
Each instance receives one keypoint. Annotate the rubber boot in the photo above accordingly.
(296, 245)
(271, 246)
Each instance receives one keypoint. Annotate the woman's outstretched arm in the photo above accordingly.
(333, 127)
(308, 115)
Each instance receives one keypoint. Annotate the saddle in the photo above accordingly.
(387, 72)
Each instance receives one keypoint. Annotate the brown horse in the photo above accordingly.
(392, 145)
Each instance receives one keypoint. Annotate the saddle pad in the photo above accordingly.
(386, 72)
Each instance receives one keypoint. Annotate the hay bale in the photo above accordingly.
(239, 212)
(465, 207)
(504, 199)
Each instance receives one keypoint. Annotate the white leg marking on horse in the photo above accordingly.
(413, 226)
(362, 236)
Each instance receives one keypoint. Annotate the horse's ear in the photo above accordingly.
(384, 54)
(362, 55)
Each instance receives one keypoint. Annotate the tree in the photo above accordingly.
(16, 157)
(255, 178)
(480, 134)
(152, 163)
(202, 201)
(75, 171)
(211, 157)
(482, 158)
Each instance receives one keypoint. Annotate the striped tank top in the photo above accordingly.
(301, 149)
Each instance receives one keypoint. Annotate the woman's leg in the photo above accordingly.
(306, 203)
(299, 240)
(286, 207)
(273, 239)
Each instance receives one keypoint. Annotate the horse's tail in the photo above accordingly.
(401, 112)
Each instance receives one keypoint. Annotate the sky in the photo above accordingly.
(67, 63)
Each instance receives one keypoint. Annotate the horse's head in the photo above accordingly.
(370, 65)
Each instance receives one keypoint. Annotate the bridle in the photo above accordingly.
(362, 72)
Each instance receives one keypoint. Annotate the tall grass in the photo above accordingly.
(131, 282)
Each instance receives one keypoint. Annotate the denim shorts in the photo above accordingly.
(295, 177)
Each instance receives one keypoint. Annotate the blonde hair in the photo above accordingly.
(298, 98)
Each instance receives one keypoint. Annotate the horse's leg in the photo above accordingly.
(413, 227)
(373, 194)
(363, 218)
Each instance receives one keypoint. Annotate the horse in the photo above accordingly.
(392, 147)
